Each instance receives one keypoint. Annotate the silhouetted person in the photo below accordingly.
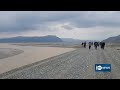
(84, 44)
(95, 45)
(98, 44)
(90, 44)
(102, 44)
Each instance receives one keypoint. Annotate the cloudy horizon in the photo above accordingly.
(84, 25)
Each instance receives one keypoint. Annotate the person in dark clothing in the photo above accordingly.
(102, 44)
(84, 44)
(90, 44)
(95, 45)
(98, 44)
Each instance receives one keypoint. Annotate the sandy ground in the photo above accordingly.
(9, 52)
(29, 55)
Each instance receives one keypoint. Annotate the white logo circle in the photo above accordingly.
(99, 67)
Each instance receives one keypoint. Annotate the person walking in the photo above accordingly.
(102, 44)
(90, 44)
(96, 45)
(84, 44)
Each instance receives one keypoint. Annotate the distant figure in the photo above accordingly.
(84, 44)
(102, 44)
(96, 45)
(90, 44)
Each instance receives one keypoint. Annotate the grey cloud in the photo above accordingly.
(23, 21)
(67, 27)
(93, 19)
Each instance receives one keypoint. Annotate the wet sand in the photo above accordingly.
(17, 56)
(9, 52)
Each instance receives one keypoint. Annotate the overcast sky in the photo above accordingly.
(85, 25)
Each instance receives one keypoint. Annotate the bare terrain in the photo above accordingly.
(9, 52)
(77, 64)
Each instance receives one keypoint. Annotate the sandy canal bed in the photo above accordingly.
(14, 56)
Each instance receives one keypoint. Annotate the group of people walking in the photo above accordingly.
(96, 44)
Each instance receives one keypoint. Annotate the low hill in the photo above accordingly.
(115, 39)
(21, 39)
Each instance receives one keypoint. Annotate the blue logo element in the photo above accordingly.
(103, 67)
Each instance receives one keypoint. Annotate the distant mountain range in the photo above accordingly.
(43, 39)
(20, 39)
(115, 39)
